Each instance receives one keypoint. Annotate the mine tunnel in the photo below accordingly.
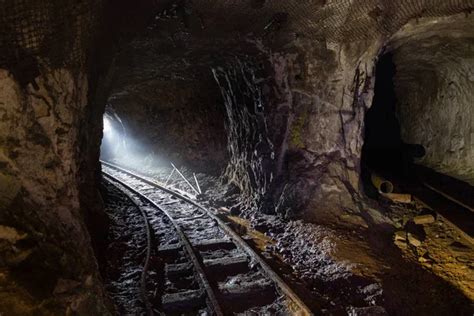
(179, 157)
(384, 151)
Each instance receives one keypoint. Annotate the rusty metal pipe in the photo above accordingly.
(382, 184)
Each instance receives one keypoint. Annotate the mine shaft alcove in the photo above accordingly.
(384, 151)
(422, 109)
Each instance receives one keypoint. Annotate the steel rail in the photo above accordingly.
(281, 284)
(449, 197)
(214, 304)
(146, 265)
(459, 220)
(457, 224)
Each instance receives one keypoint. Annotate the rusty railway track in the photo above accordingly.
(459, 216)
(213, 304)
(232, 278)
(449, 198)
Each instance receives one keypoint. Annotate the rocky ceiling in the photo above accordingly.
(184, 31)
(341, 20)
(33, 26)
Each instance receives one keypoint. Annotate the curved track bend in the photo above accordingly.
(207, 268)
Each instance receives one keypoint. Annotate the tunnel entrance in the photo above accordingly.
(114, 137)
(384, 151)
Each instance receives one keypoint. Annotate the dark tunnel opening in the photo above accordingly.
(384, 151)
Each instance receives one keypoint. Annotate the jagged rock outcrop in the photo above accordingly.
(48, 133)
(325, 92)
(315, 113)
(251, 154)
(40, 197)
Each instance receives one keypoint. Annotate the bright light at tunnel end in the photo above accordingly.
(107, 125)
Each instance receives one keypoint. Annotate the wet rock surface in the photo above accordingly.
(251, 152)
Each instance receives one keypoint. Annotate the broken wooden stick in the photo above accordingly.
(197, 183)
(169, 177)
(186, 180)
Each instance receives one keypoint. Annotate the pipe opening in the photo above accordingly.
(386, 187)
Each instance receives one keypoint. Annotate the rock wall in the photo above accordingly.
(251, 153)
(294, 128)
(316, 94)
(51, 262)
(325, 89)
(321, 92)
(49, 136)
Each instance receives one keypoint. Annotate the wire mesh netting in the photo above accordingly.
(54, 32)
(59, 32)
(331, 20)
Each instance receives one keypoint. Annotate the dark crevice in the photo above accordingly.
(384, 152)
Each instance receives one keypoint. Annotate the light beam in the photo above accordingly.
(107, 125)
